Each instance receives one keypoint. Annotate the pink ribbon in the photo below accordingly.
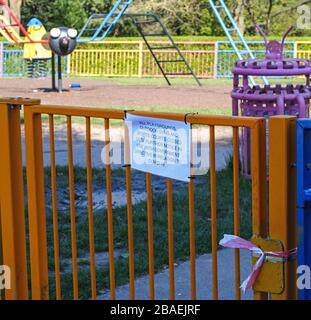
(235, 242)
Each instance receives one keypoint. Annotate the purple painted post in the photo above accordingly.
(269, 100)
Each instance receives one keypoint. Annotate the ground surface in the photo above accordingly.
(226, 285)
(118, 93)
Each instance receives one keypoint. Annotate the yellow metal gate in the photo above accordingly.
(273, 221)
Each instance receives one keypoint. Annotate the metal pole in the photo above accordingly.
(53, 72)
(12, 210)
(282, 204)
(60, 78)
(36, 206)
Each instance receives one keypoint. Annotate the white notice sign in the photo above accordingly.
(161, 147)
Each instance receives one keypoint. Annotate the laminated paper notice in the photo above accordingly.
(160, 147)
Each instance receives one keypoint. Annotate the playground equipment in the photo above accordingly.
(36, 50)
(148, 25)
(98, 27)
(62, 41)
(146, 21)
(8, 31)
(90, 32)
(222, 14)
(36, 54)
(270, 100)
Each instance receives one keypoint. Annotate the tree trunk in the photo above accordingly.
(239, 15)
(16, 6)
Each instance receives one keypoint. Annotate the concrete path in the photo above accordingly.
(204, 280)
(201, 135)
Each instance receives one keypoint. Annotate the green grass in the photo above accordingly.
(179, 82)
(159, 81)
(181, 229)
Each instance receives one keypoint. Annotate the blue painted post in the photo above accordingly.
(304, 198)
(1, 59)
(216, 60)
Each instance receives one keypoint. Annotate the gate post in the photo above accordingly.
(12, 210)
(36, 205)
(282, 195)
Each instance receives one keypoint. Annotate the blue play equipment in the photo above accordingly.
(99, 26)
(304, 197)
(107, 23)
(222, 13)
(34, 22)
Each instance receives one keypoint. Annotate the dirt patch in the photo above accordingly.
(102, 260)
(106, 93)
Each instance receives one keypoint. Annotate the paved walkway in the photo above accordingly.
(223, 145)
(204, 280)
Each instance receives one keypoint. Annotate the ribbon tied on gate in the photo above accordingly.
(235, 242)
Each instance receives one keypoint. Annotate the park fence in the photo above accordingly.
(210, 60)
(45, 228)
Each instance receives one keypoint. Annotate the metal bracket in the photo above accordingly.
(271, 278)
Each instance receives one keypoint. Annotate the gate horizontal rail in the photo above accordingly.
(40, 282)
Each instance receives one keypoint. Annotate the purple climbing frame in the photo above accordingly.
(269, 100)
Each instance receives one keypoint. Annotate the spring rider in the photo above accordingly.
(36, 54)
(269, 100)
(62, 42)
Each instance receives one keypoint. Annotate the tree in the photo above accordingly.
(182, 17)
(16, 6)
(275, 16)
(71, 13)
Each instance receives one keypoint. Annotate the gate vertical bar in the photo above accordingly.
(259, 186)
(36, 206)
(150, 235)
(129, 212)
(282, 175)
(1, 256)
(112, 280)
(12, 199)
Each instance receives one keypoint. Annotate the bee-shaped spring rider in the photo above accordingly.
(62, 42)
(36, 54)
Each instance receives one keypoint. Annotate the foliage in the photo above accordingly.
(195, 17)
(183, 17)
(63, 12)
